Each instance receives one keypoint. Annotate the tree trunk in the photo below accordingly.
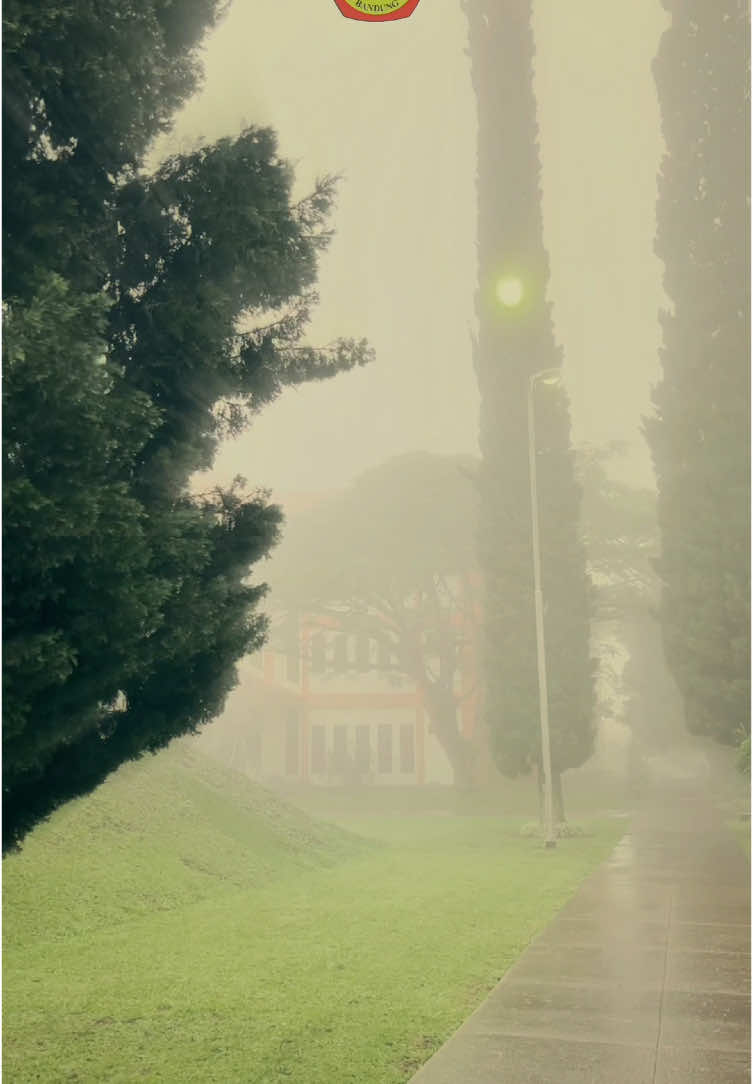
(442, 712)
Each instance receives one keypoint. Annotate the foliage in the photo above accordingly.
(620, 535)
(85, 90)
(512, 344)
(699, 434)
(562, 830)
(212, 929)
(121, 619)
(393, 556)
(147, 316)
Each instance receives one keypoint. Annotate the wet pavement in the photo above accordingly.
(643, 978)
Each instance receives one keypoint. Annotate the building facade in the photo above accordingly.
(326, 706)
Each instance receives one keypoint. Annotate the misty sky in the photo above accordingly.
(390, 106)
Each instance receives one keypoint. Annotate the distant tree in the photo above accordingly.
(516, 340)
(699, 434)
(146, 317)
(621, 536)
(393, 557)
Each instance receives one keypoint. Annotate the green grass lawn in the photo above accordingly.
(183, 925)
(586, 796)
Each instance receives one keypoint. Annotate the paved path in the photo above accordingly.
(643, 978)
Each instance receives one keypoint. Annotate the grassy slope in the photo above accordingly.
(182, 925)
(162, 833)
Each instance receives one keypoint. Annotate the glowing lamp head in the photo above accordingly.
(510, 292)
(549, 377)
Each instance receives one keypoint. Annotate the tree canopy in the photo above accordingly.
(621, 537)
(699, 434)
(393, 556)
(147, 316)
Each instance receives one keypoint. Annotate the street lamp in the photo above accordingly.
(544, 376)
(510, 291)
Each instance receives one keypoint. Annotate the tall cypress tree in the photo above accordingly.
(516, 340)
(700, 434)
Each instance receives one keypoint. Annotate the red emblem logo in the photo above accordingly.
(377, 11)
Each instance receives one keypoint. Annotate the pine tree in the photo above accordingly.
(145, 318)
(700, 434)
(85, 90)
(515, 341)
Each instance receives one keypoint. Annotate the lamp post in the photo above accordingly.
(510, 291)
(544, 376)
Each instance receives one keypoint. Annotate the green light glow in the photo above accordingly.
(510, 291)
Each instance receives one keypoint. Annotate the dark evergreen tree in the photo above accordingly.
(516, 340)
(85, 90)
(700, 433)
(146, 317)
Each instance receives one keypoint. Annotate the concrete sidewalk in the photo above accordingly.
(643, 978)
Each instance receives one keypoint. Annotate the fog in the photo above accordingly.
(425, 805)
(391, 109)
